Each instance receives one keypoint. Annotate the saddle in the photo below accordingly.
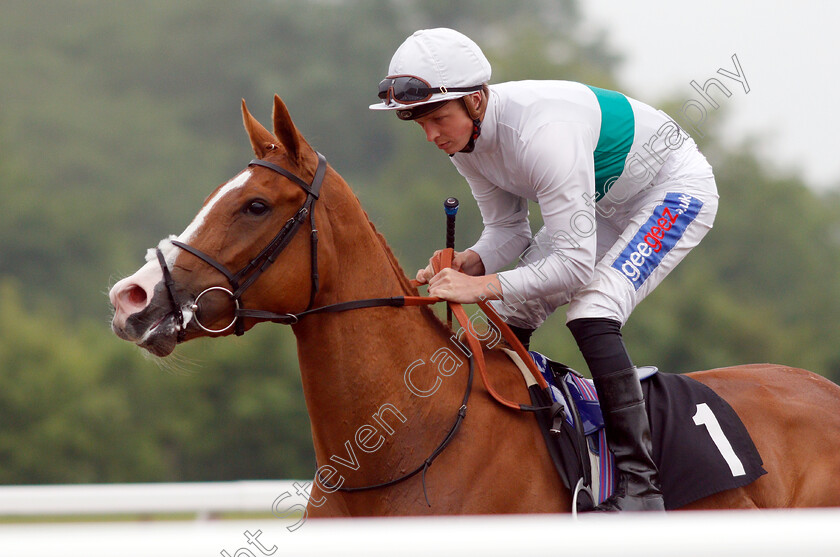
(696, 457)
(700, 445)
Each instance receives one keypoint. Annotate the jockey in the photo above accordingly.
(624, 196)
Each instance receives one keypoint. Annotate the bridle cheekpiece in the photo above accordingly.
(241, 280)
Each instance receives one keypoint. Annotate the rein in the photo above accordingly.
(245, 277)
(442, 260)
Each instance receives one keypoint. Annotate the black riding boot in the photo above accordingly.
(625, 419)
(628, 435)
(524, 335)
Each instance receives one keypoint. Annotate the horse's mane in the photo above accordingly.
(395, 264)
(407, 288)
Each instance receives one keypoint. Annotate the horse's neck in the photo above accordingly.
(353, 364)
(390, 381)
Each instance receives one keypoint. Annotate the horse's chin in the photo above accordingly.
(160, 345)
(159, 338)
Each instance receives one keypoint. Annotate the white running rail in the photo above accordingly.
(202, 499)
(810, 532)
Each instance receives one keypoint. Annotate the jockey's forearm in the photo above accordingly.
(470, 263)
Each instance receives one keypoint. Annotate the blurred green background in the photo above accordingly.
(118, 118)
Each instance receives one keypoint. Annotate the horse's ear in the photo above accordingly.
(260, 137)
(285, 130)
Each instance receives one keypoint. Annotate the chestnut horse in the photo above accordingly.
(381, 392)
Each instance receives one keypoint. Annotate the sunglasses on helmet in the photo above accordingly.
(409, 89)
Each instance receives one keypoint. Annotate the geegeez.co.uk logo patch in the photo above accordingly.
(657, 236)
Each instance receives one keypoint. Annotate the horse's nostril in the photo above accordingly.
(136, 296)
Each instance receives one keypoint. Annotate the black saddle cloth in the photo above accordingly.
(699, 443)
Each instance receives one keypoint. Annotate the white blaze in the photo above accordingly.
(188, 234)
(168, 249)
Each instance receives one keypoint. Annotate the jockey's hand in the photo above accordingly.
(455, 286)
(466, 261)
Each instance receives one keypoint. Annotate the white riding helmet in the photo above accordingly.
(431, 66)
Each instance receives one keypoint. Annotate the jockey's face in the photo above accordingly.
(448, 127)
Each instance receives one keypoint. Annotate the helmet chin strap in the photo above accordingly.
(475, 113)
(470, 146)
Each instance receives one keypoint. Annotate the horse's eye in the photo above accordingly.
(256, 208)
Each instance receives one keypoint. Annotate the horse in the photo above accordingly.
(382, 382)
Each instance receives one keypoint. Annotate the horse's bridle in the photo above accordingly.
(245, 277)
(252, 271)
